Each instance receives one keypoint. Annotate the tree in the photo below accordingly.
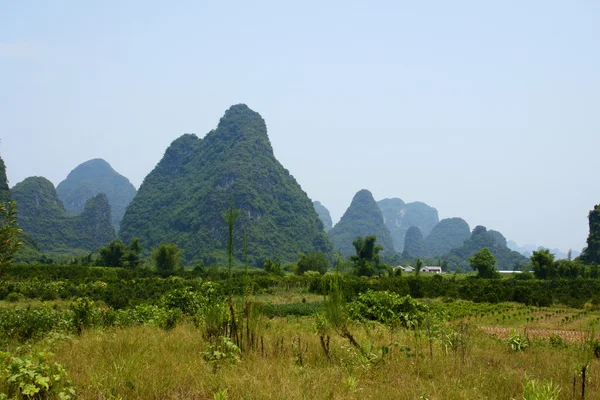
(418, 267)
(113, 254)
(230, 216)
(273, 267)
(117, 254)
(366, 261)
(312, 262)
(9, 234)
(543, 265)
(483, 262)
(132, 257)
(166, 256)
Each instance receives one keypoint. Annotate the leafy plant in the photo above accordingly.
(33, 377)
(535, 390)
(224, 352)
(518, 342)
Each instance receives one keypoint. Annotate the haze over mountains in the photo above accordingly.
(91, 178)
(42, 215)
(183, 199)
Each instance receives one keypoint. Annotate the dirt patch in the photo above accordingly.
(504, 332)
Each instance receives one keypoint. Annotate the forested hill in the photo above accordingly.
(362, 218)
(42, 216)
(448, 234)
(400, 216)
(4, 190)
(506, 259)
(183, 198)
(93, 177)
(324, 215)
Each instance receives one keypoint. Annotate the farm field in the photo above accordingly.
(170, 350)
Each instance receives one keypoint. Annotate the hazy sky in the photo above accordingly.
(490, 112)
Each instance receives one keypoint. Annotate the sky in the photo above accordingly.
(489, 111)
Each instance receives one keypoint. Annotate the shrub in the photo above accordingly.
(33, 377)
(14, 297)
(388, 308)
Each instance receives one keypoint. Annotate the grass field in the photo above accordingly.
(466, 356)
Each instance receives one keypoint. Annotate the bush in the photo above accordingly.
(14, 297)
(388, 308)
(33, 377)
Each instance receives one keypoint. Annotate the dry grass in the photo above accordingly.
(149, 363)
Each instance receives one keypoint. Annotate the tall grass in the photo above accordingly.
(145, 362)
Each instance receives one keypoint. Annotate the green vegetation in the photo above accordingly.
(448, 234)
(9, 235)
(181, 200)
(362, 218)
(312, 262)
(483, 262)
(506, 259)
(400, 216)
(366, 261)
(324, 215)
(591, 254)
(91, 178)
(166, 257)
(364, 335)
(414, 245)
(117, 254)
(41, 215)
(5, 196)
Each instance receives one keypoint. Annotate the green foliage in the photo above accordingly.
(591, 254)
(542, 262)
(414, 244)
(481, 238)
(182, 199)
(224, 352)
(534, 390)
(82, 309)
(366, 261)
(312, 262)
(399, 217)
(483, 262)
(117, 254)
(517, 342)
(324, 215)
(5, 196)
(272, 267)
(230, 216)
(91, 178)
(388, 308)
(448, 234)
(42, 216)
(166, 256)
(9, 234)
(33, 376)
(362, 218)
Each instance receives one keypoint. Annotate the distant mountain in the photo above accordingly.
(506, 259)
(414, 245)
(448, 234)
(591, 253)
(5, 196)
(183, 198)
(362, 218)
(28, 249)
(324, 215)
(528, 249)
(41, 215)
(93, 177)
(400, 216)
